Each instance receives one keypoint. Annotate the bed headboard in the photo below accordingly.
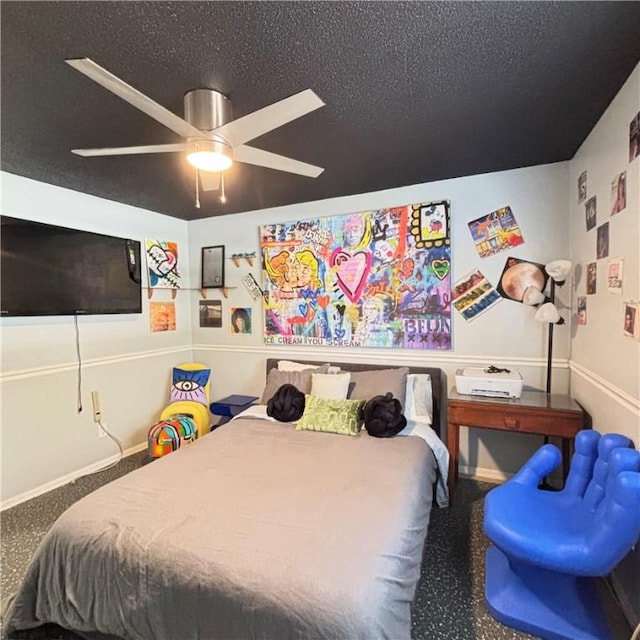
(437, 384)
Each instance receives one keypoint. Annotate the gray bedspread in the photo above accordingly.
(254, 531)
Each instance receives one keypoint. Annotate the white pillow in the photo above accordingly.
(418, 404)
(288, 365)
(334, 386)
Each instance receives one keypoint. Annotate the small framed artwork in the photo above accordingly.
(631, 325)
(582, 187)
(592, 276)
(211, 313)
(582, 310)
(614, 275)
(590, 213)
(240, 321)
(634, 138)
(602, 247)
(619, 193)
(213, 267)
(162, 316)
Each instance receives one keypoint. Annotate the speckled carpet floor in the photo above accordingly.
(449, 603)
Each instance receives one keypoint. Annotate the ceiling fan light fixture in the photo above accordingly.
(209, 155)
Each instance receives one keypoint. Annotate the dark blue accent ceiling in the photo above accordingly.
(415, 91)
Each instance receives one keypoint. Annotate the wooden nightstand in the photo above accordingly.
(535, 412)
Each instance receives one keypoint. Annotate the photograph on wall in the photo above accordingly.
(619, 193)
(582, 310)
(473, 294)
(590, 213)
(162, 316)
(582, 187)
(162, 264)
(634, 138)
(497, 231)
(614, 275)
(211, 313)
(602, 247)
(519, 274)
(379, 278)
(631, 325)
(592, 277)
(240, 320)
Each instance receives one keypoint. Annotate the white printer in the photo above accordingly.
(491, 382)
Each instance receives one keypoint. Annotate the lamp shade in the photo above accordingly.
(558, 270)
(548, 312)
(533, 296)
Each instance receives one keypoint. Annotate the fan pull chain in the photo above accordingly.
(197, 189)
(223, 197)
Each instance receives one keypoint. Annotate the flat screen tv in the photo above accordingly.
(47, 270)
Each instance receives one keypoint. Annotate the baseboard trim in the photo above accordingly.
(479, 473)
(87, 364)
(69, 477)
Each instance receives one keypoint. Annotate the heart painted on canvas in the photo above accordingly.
(351, 271)
(440, 268)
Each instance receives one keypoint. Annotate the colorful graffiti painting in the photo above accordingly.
(370, 279)
(162, 262)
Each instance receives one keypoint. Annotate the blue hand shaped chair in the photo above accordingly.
(548, 547)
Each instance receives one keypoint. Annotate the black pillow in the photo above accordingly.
(286, 404)
(383, 416)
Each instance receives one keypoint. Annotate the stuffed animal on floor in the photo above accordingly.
(286, 404)
(383, 416)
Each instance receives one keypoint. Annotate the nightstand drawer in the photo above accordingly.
(564, 425)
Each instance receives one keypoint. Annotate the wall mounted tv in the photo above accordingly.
(47, 270)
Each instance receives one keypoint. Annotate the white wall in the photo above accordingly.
(507, 335)
(606, 363)
(44, 438)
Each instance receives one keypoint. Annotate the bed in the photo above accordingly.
(254, 531)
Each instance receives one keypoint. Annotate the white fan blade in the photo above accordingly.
(209, 180)
(134, 97)
(126, 151)
(251, 155)
(251, 126)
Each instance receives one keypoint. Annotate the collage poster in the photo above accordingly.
(377, 278)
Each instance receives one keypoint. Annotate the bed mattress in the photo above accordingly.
(254, 531)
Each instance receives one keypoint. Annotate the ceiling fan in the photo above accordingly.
(213, 140)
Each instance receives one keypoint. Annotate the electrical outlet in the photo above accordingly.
(95, 400)
(101, 432)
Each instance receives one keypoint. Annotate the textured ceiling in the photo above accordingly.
(414, 92)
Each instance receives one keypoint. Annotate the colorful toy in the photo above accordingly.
(168, 435)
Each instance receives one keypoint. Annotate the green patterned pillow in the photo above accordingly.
(331, 416)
